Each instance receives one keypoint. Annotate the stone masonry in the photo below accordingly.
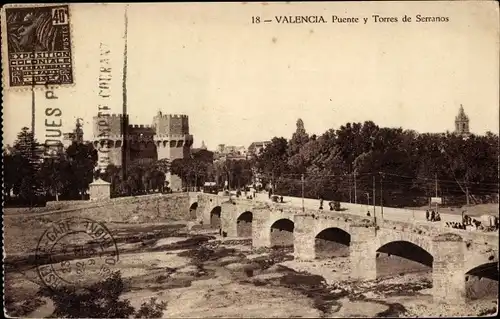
(454, 252)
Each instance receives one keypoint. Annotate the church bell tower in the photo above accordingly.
(462, 123)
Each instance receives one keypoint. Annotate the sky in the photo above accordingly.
(241, 82)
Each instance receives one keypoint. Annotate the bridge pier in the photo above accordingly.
(451, 256)
(229, 215)
(303, 239)
(261, 231)
(448, 279)
(363, 251)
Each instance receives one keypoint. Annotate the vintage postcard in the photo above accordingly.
(247, 159)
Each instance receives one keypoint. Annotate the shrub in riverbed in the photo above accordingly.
(100, 300)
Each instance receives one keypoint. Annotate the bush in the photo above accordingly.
(100, 300)
(151, 309)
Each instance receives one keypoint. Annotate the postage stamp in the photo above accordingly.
(290, 154)
(73, 250)
(38, 45)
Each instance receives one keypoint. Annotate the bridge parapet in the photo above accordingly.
(454, 252)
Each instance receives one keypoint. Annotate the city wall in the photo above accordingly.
(135, 209)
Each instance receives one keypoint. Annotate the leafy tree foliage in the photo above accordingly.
(100, 300)
(21, 165)
(343, 164)
(141, 178)
(82, 159)
(31, 177)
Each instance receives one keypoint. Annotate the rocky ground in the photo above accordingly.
(199, 274)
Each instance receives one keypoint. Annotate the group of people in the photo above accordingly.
(473, 223)
(462, 225)
(432, 216)
(330, 204)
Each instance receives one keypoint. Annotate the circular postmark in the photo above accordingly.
(74, 251)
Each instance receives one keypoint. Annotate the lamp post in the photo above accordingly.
(355, 191)
(381, 195)
(368, 200)
(302, 180)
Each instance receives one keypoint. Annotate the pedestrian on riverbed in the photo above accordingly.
(433, 215)
(427, 215)
(270, 193)
(321, 202)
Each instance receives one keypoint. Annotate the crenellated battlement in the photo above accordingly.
(140, 126)
(171, 124)
(166, 138)
(173, 137)
(173, 116)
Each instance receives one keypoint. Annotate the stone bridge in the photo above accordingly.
(453, 254)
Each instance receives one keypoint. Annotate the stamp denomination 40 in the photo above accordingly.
(75, 250)
(39, 45)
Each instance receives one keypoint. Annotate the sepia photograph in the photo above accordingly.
(251, 159)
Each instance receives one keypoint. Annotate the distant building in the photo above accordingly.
(230, 152)
(202, 153)
(52, 148)
(462, 123)
(203, 146)
(75, 136)
(256, 147)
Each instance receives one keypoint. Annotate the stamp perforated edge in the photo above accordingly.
(5, 63)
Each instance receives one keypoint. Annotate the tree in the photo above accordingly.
(12, 179)
(82, 161)
(273, 160)
(181, 167)
(404, 162)
(100, 300)
(27, 161)
(240, 173)
(55, 175)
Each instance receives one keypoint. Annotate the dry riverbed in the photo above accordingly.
(200, 274)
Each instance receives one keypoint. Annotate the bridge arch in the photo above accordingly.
(402, 256)
(481, 282)
(282, 233)
(244, 224)
(192, 210)
(215, 217)
(194, 206)
(332, 242)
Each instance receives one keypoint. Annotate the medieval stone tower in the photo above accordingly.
(462, 123)
(167, 138)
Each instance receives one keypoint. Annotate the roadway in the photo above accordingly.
(412, 216)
